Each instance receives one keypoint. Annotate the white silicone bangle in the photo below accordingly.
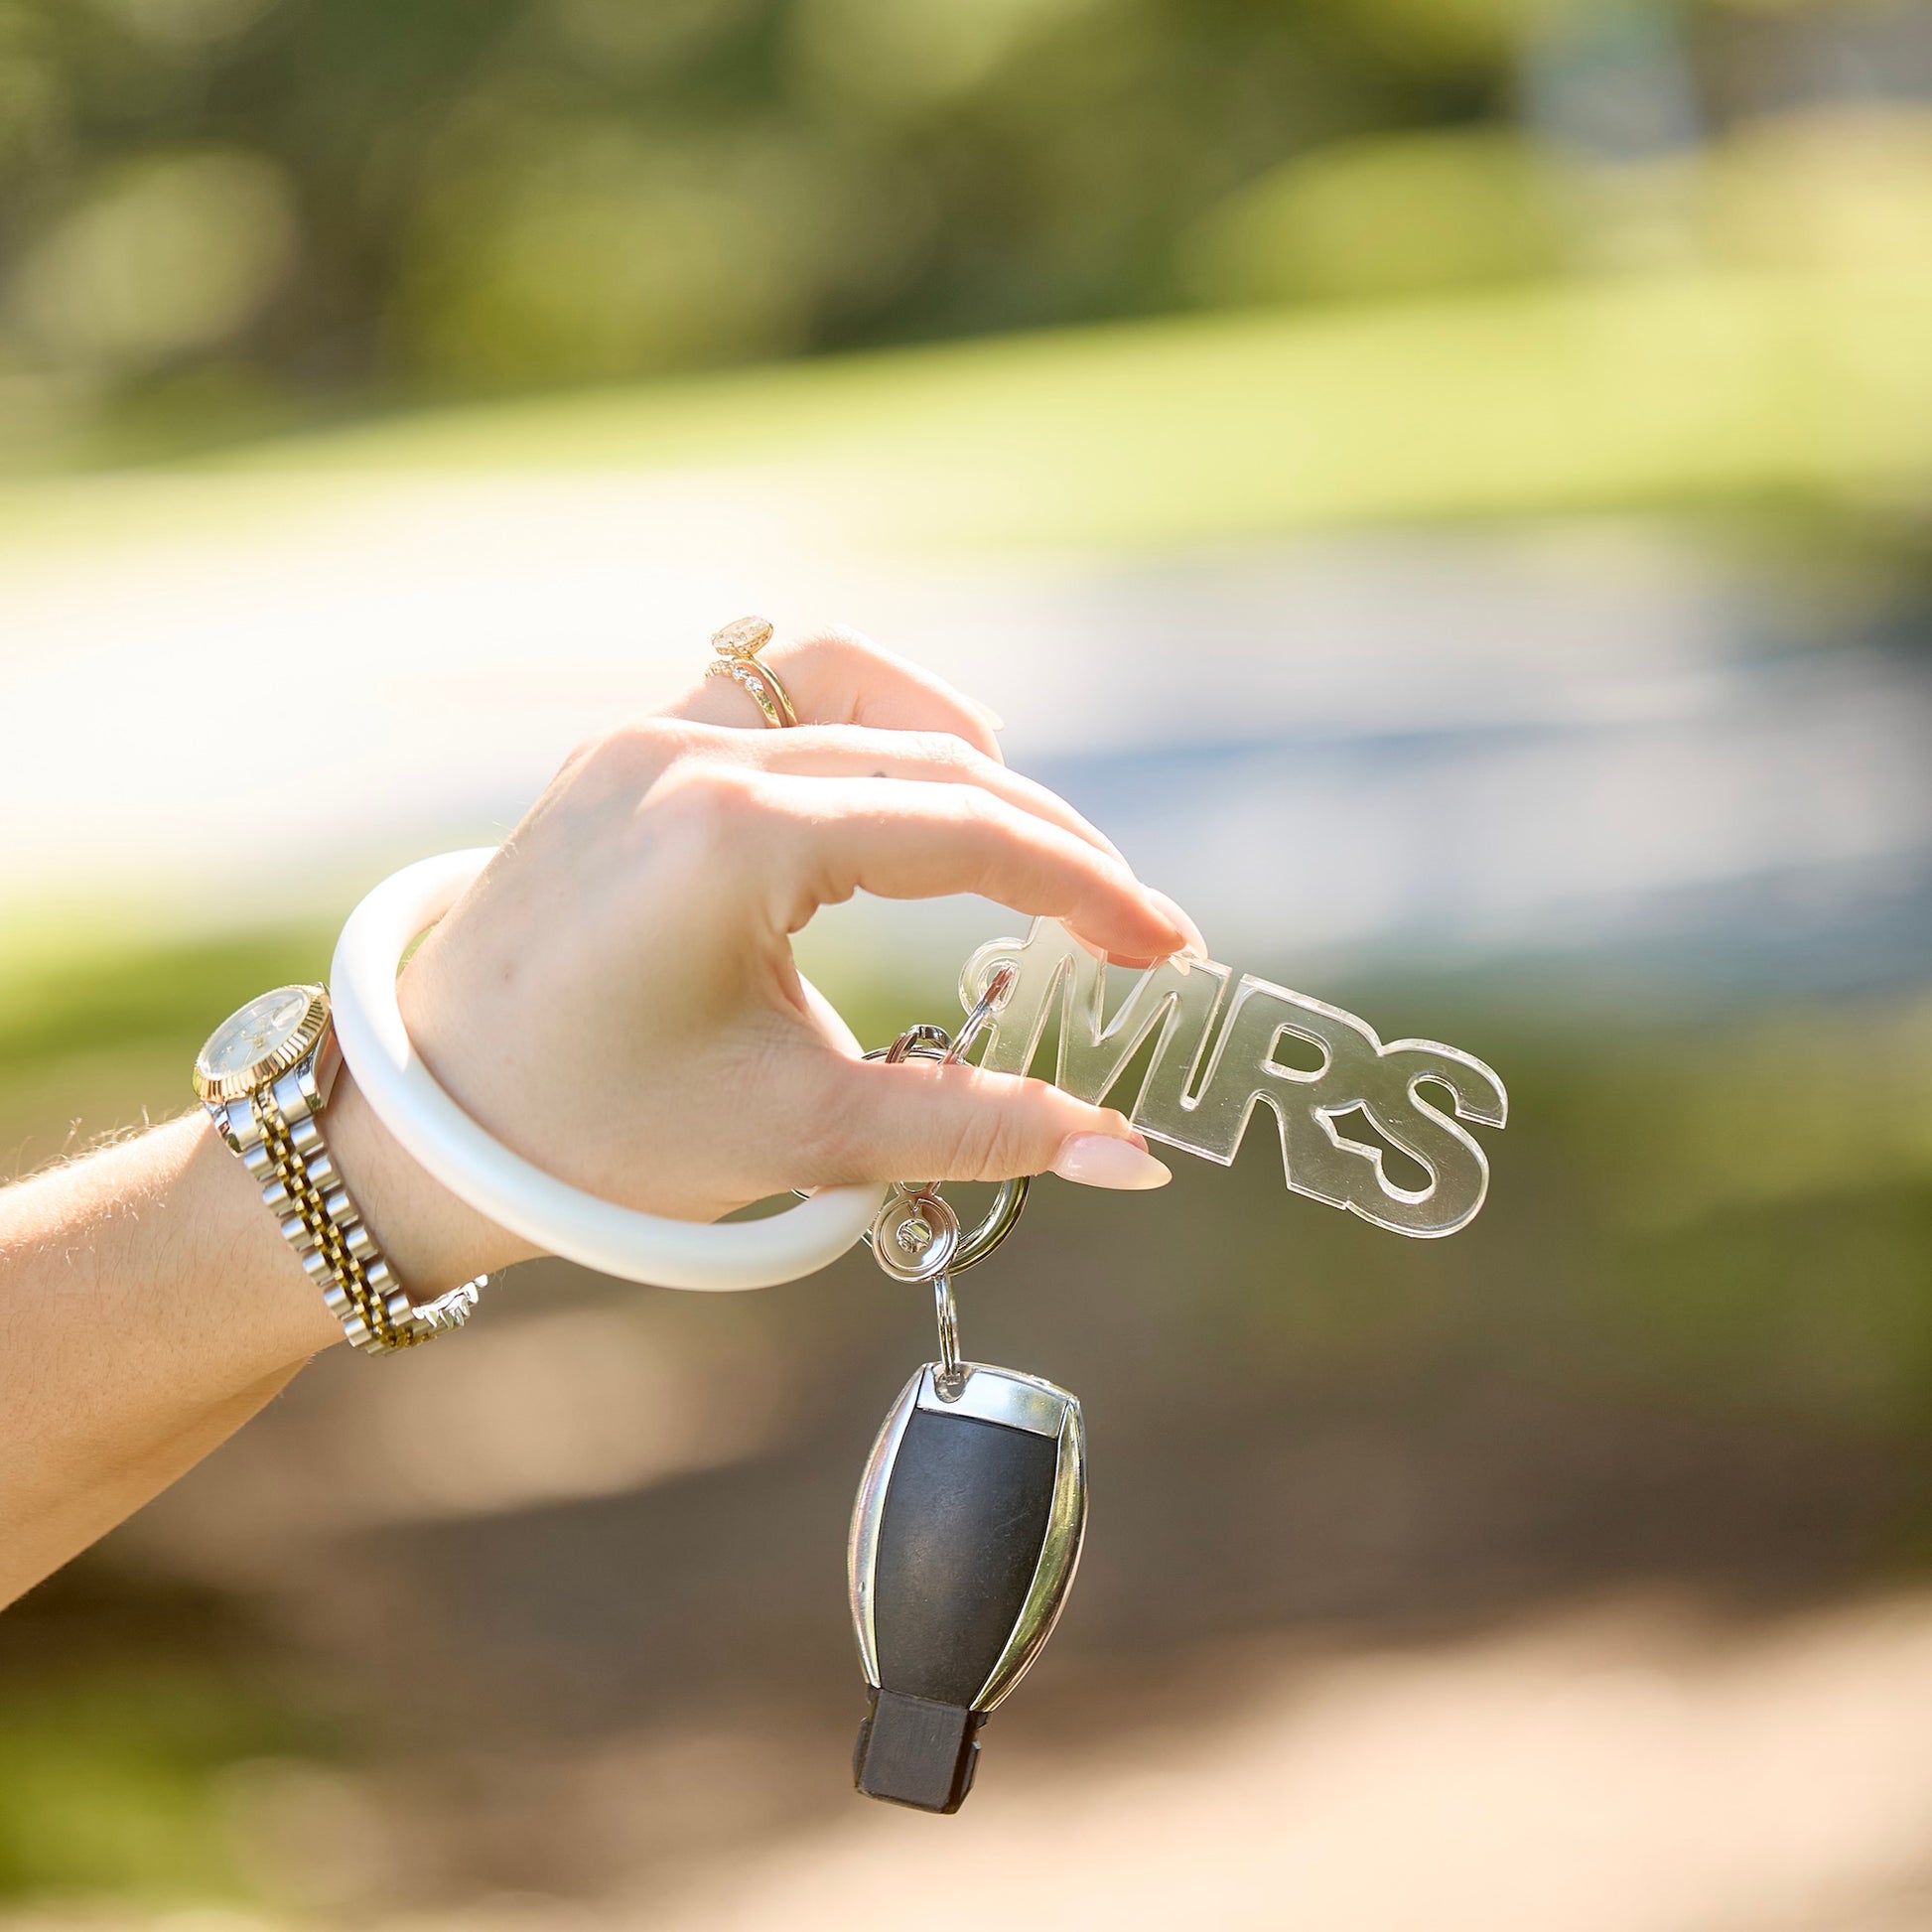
(476, 1167)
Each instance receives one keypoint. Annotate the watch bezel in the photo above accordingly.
(215, 1090)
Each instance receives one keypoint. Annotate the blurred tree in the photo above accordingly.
(335, 197)
(1387, 216)
(208, 203)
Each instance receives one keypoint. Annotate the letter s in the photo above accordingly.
(1458, 1168)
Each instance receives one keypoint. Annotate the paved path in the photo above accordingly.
(1449, 746)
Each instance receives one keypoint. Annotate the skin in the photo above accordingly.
(614, 997)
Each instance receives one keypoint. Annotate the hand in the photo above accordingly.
(616, 997)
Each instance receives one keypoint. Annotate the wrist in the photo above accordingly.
(431, 1238)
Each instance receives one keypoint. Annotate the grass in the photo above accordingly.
(97, 1036)
(56, 1004)
(115, 1785)
(1668, 390)
(135, 1713)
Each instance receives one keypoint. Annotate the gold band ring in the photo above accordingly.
(737, 646)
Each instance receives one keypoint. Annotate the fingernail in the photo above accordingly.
(994, 722)
(1102, 1161)
(1197, 947)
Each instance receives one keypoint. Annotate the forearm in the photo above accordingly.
(149, 1307)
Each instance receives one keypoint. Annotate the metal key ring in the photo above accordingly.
(930, 1042)
(998, 1221)
(985, 1009)
(949, 1379)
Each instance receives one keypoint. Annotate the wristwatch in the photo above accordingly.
(264, 1077)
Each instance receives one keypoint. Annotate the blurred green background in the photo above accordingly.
(1445, 484)
(225, 214)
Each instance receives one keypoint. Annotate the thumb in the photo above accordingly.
(922, 1121)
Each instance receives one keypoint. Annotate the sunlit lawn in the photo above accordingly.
(1658, 391)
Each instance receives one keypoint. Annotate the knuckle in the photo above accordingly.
(579, 753)
(837, 644)
(663, 740)
(633, 753)
(707, 804)
(980, 811)
(989, 1144)
(839, 661)
(828, 1147)
(848, 741)
(841, 1122)
(948, 750)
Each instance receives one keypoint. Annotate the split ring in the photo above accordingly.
(930, 1042)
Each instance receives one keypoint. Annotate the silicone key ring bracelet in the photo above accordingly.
(478, 1168)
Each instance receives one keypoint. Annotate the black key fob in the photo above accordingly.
(965, 1536)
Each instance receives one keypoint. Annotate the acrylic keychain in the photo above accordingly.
(969, 1518)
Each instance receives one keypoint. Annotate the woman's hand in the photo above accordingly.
(616, 997)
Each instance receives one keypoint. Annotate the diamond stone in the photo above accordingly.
(742, 638)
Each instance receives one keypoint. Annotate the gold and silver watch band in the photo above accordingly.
(278, 1134)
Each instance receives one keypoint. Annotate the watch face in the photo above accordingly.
(252, 1035)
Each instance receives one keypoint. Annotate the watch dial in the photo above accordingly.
(247, 1038)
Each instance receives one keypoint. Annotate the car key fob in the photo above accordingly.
(965, 1535)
